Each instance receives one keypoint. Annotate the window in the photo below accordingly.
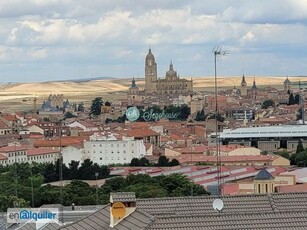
(259, 188)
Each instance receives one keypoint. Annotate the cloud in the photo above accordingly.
(111, 37)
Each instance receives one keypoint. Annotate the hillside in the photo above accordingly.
(18, 96)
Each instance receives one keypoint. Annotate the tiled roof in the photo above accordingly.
(140, 133)
(263, 175)
(101, 220)
(273, 211)
(123, 196)
(14, 148)
(43, 151)
(2, 157)
(65, 141)
(3, 125)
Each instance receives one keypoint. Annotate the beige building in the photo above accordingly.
(171, 85)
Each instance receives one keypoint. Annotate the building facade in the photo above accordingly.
(171, 85)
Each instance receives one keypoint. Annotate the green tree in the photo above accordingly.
(144, 161)
(96, 106)
(291, 99)
(68, 115)
(173, 162)
(200, 116)
(135, 162)
(185, 111)
(81, 107)
(73, 170)
(297, 99)
(268, 103)
(163, 161)
(301, 159)
(11, 202)
(300, 147)
(284, 154)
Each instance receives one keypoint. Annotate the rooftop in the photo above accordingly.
(280, 131)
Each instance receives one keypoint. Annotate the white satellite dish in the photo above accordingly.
(218, 205)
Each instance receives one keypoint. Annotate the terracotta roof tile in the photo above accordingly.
(43, 151)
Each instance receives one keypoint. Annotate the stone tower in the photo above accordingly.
(287, 85)
(150, 72)
(254, 90)
(133, 91)
(243, 86)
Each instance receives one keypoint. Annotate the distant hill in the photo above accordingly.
(96, 86)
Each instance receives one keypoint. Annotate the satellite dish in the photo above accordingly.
(218, 205)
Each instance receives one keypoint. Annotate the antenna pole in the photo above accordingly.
(61, 174)
(217, 52)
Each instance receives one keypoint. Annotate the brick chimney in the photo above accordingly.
(122, 205)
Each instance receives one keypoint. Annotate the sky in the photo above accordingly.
(49, 40)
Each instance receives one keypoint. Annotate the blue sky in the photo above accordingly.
(43, 40)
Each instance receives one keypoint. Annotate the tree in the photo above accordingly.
(163, 161)
(291, 99)
(185, 111)
(300, 147)
(96, 106)
(135, 162)
(69, 115)
(300, 159)
(80, 107)
(268, 103)
(73, 170)
(200, 115)
(173, 162)
(297, 99)
(144, 161)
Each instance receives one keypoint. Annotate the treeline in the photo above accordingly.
(18, 182)
(80, 193)
(163, 161)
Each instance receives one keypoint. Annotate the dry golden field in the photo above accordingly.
(16, 97)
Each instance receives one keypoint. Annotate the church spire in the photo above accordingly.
(254, 84)
(171, 65)
(243, 82)
(133, 84)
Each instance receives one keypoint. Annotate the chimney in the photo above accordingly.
(122, 205)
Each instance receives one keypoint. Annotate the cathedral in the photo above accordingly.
(171, 85)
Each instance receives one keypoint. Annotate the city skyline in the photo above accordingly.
(66, 40)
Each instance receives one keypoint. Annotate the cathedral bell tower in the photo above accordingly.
(150, 72)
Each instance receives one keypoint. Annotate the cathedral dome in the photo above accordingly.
(171, 73)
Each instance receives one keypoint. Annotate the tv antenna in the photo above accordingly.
(218, 52)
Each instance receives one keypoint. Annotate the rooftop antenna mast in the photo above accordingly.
(217, 51)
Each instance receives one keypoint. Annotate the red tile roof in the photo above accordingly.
(9, 117)
(3, 125)
(65, 141)
(14, 148)
(34, 152)
(2, 157)
(139, 133)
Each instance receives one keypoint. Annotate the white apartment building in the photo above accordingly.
(24, 154)
(112, 149)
